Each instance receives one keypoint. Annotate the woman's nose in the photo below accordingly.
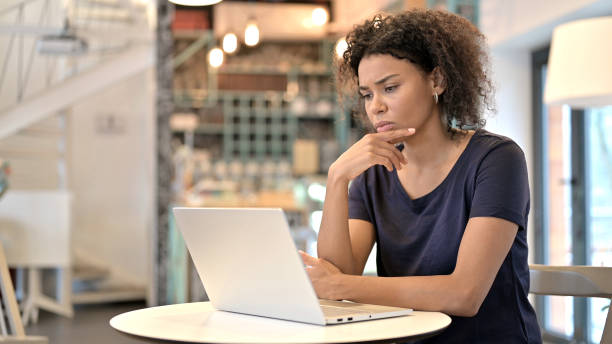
(378, 105)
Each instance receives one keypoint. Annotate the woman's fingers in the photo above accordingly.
(390, 138)
(382, 159)
(395, 136)
(313, 267)
(373, 149)
(396, 153)
(308, 259)
(387, 155)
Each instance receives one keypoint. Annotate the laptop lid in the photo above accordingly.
(248, 262)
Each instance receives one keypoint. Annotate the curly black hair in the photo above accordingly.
(428, 39)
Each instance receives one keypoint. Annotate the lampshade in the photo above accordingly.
(580, 64)
(195, 2)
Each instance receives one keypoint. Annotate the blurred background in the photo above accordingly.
(114, 111)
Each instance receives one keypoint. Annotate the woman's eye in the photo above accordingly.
(366, 96)
(390, 88)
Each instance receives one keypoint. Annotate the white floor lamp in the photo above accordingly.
(579, 75)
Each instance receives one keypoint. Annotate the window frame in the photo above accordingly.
(579, 225)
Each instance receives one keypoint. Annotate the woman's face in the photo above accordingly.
(396, 93)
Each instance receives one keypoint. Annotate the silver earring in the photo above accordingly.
(436, 97)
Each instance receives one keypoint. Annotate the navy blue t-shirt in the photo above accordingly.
(420, 237)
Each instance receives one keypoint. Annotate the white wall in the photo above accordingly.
(351, 12)
(112, 176)
(525, 24)
(514, 29)
(512, 77)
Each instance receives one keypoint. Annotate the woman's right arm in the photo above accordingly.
(343, 242)
(343, 246)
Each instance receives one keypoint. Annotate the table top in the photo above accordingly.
(199, 322)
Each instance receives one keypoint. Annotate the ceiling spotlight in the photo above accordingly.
(319, 16)
(251, 34)
(195, 2)
(230, 42)
(62, 44)
(215, 57)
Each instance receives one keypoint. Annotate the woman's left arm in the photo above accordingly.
(483, 248)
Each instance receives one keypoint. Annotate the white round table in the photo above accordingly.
(199, 322)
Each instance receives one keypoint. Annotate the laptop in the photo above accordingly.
(249, 264)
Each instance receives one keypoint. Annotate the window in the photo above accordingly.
(572, 205)
(599, 204)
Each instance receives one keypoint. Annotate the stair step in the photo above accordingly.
(110, 294)
(89, 273)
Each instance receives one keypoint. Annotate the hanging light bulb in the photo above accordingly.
(251, 33)
(319, 16)
(341, 47)
(215, 57)
(195, 2)
(230, 42)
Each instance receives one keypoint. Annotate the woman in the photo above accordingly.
(446, 204)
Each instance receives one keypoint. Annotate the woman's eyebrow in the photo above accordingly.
(380, 81)
(385, 79)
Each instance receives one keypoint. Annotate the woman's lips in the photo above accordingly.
(386, 126)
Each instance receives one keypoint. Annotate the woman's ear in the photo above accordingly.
(438, 81)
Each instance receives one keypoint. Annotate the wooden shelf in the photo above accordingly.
(189, 34)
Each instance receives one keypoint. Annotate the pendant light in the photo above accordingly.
(215, 57)
(230, 42)
(251, 33)
(319, 16)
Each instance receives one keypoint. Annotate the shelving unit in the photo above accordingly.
(261, 122)
(263, 125)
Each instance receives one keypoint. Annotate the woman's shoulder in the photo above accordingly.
(487, 149)
(485, 143)
(490, 151)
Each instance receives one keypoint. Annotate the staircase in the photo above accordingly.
(35, 85)
(92, 282)
(37, 92)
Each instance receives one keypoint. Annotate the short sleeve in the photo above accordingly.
(502, 185)
(357, 199)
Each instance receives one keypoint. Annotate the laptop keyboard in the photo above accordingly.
(332, 311)
(339, 311)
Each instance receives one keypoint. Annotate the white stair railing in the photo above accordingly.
(32, 65)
